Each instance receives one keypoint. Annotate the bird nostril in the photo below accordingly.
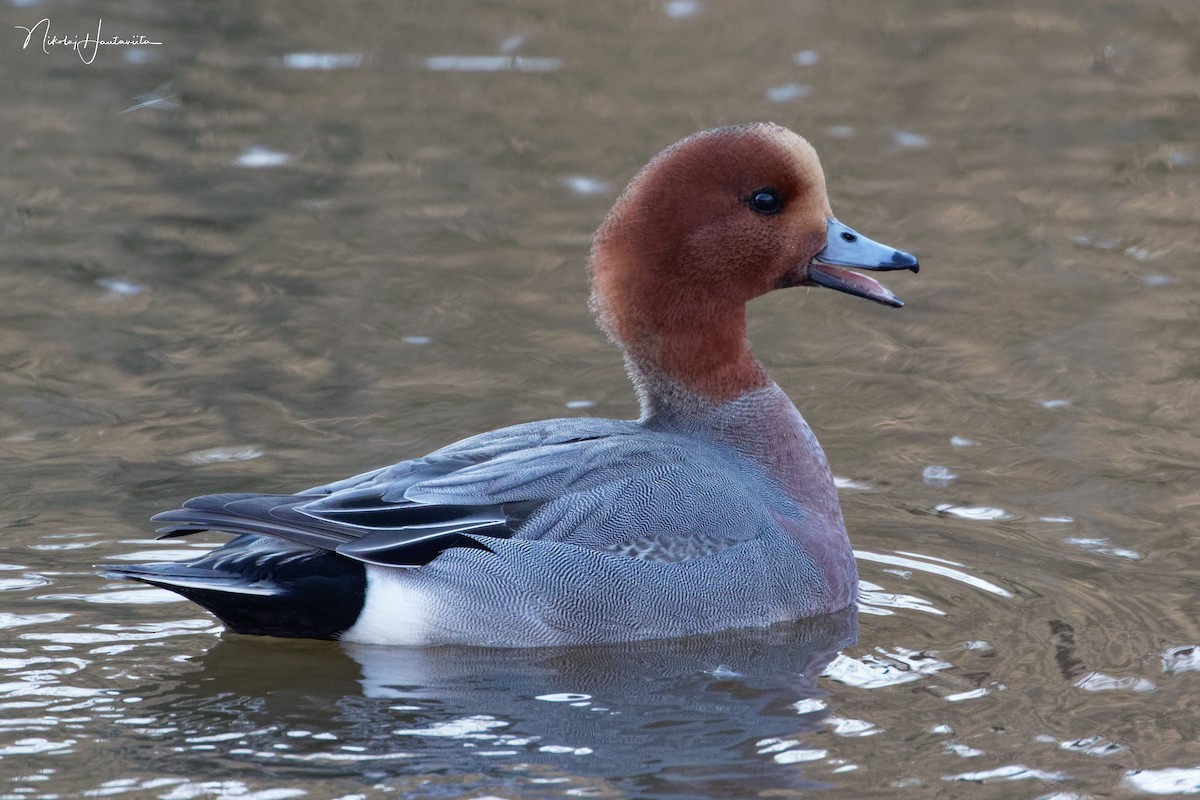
(849, 237)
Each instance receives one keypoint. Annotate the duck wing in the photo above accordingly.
(605, 485)
(372, 517)
(391, 534)
(649, 495)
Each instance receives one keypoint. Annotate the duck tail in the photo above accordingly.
(298, 593)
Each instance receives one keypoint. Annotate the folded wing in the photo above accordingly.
(602, 485)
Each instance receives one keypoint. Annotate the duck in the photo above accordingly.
(714, 510)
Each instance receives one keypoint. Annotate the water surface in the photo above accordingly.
(295, 241)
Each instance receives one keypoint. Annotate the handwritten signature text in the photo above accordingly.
(80, 44)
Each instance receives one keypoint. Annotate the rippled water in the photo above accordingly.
(294, 241)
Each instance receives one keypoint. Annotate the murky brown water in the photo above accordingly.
(229, 265)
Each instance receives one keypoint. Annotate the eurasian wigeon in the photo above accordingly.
(715, 509)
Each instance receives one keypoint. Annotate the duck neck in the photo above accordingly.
(694, 360)
(699, 375)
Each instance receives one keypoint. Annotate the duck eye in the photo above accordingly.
(766, 202)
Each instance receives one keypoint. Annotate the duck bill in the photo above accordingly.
(848, 248)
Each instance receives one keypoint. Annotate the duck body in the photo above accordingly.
(715, 509)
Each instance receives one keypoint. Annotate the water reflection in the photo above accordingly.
(725, 707)
(936, 566)
(491, 64)
(322, 61)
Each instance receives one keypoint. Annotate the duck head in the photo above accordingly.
(710, 223)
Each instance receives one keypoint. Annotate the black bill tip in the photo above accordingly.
(903, 260)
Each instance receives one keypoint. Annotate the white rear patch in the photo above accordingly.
(394, 610)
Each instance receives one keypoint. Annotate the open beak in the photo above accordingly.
(847, 248)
